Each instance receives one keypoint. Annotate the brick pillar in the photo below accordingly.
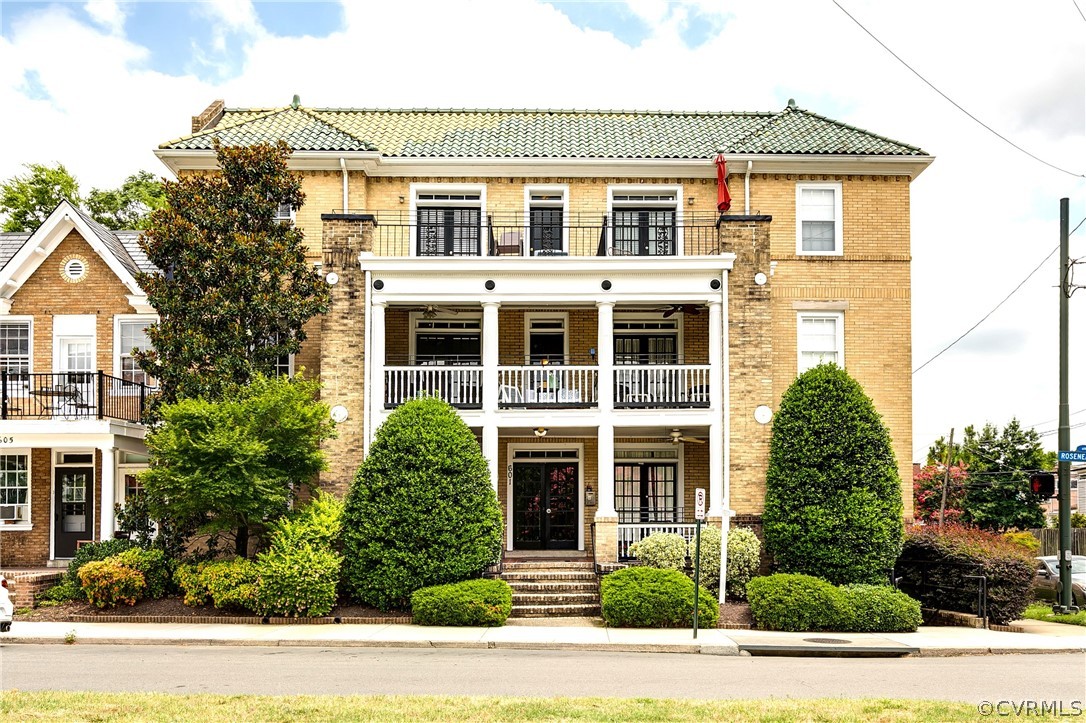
(343, 337)
(750, 363)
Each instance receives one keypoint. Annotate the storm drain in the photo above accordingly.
(827, 641)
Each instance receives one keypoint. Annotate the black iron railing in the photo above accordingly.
(71, 395)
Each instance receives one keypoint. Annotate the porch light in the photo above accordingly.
(541, 431)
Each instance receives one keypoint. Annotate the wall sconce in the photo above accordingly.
(691, 200)
(402, 199)
(592, 352)
(589, 496)
(541, 432)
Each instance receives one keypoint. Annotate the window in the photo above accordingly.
(14, 489)
(546, 339)
(646, 341)
(644, 223)
(647, 492)
(448, 220)
(284, 213)
(820, 339)
(133, 336)
(15, 349)
(818, 218)
(547, 208)
(448, 342)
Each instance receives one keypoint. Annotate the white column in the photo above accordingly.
(376, 364)
(490, 451)
(106, 483)
(605, 358)
(490, 389)
(717, 375)
(605, 472)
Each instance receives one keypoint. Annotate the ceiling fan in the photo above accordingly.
(431, 311)
(677, 436)
(672, 309)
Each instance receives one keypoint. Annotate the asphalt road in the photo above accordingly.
(285, 671)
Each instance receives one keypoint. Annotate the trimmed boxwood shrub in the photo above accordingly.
(154, 567)
(108, 583)
(880, 609)
(648, 597)
(421, 510)
(230, 584)
(664, 550)
(472, 602)
(301, 582)
(744, 557)
(932, 565)
(796, 603)
(833, 494)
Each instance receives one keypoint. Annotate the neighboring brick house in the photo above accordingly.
(564, 279)
(71, 395)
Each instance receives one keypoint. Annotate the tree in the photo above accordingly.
(833, 494)
(130, 206)
(421, 510)
(928, 493)
(998, 496)
(236, 289)
(27, 200)
(235, 463)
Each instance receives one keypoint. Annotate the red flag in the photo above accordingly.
(723, 198)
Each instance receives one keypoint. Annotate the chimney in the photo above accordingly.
(211, 115)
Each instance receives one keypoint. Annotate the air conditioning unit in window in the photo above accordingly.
(10, 513)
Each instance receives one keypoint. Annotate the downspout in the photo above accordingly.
(367, 374)
(343, 167)
(746, 189)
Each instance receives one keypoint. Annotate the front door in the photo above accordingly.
(73, 508)
(545, 506)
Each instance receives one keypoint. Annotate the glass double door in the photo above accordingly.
(545, 506)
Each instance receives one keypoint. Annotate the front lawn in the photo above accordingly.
(67, 706)
(1043, 611)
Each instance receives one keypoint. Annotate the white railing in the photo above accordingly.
(629, 533)
(546, 384)
(460, 386)
(662, 385)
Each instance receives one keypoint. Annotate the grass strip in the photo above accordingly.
(93, 706)
(1042, 611)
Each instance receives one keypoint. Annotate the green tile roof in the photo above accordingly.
(432, 133)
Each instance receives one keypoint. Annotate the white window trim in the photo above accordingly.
(413, 327)
(119, 496)
(530, 316)
(117, 320)
(542, 445)
(27, 524)
(680, 325)
(293, 214)
(838, 218)
(839, 316)
(414, 205)
(69, 326)
(21, 392)
(564, 205)
(54, 464)
(621, 190)
(680, 460)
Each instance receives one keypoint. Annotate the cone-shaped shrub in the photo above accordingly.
(421, 510)
(833, 493)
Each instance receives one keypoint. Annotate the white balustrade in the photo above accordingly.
(460, 386)
(629, 533)
(662, 385)
(546, 384)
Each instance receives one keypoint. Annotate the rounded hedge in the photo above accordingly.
(648, 597)
(833, 494)
(664, 550)
(421, 510)
(801, 603)
(881, 609)
(472, 602)
(744, 557)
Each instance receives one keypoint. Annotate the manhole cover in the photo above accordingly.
(827, 641)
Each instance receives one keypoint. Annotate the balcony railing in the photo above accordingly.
(72, 395)
(460, 386)
(659, 386)
(398, 235)
(547, 386)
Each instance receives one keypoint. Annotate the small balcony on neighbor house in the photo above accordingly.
(71, 396)
(548, 233)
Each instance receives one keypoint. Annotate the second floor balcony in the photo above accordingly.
(71, 396)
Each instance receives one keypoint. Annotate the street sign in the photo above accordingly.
(1078, 455)
(699, 503)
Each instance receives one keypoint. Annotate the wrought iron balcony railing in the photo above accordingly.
(72, 395)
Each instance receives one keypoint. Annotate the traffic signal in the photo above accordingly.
(1043, 484)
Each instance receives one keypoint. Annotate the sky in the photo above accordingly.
(97, 85)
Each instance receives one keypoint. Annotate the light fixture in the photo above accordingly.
(541, 431)
(589, 496)
(402, 199)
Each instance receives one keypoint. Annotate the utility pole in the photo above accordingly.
(1064, 487)
(946, 478)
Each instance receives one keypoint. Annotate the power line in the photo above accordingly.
(950, 100)
(1079, 9)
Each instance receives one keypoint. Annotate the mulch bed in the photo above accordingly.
(171, 608)
(735, 615)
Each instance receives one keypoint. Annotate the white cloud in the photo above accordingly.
(983, 214)
(107, 13)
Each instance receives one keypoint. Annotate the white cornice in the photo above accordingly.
(579, 265)
(375, 165)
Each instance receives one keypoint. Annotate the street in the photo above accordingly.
(397, 671)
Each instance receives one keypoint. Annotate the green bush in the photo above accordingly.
(92, 551)
(833, 494)
(421, 510)
(472, 602)
(1026, 539)
(63, 591)
(880, 609)
(663, 550)
(797, 603)
(189, 579)
(932, 564)
(709, 568)
(317, 523)
(648, 597)
(744, 557)
(230, 584)
(108, 583)
(1078, 519)
(299, 582)
(154, 567)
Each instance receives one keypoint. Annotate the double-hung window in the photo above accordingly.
(132, 334)
(644, 223)
(448, 223)
(818, 218)
(820, 339)
(15, 353)
(14, 489)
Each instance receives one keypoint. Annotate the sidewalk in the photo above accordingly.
(928, 641)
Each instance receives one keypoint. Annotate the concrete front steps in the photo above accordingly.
(552, 588)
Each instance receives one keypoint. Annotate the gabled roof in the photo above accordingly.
(589, 134)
